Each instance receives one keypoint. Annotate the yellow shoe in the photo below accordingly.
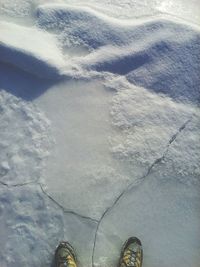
(131, 254)
(65, 256)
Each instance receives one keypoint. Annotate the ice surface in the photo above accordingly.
(163, 213)
(110, 150)
(32, 225)
(149, 123)
(87, 162)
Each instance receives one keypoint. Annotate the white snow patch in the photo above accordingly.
(31, 50)
(164, 58)
(147, 122)
(25, 140)
(73, 26)
(30, 227)
(16, 8)
(137, 9)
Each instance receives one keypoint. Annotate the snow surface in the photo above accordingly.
(99, 130)
(16, 48)
(24, 140)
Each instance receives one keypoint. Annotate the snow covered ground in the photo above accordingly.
(99, 130)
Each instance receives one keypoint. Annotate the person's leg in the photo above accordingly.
(131, 254)
(65, 255)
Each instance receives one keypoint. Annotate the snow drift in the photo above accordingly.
(73, 25)
(158, 54)
(31, 50)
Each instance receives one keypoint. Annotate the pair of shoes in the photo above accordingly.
(131, 254)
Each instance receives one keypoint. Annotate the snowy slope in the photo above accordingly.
(30, 50)
(73, 24)
(99, 131)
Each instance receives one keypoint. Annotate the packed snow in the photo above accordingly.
(99, 130)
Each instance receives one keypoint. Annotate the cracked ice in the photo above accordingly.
(99, 131)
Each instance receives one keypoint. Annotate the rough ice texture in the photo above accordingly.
(25, 140)
(16, 8)
(149, 122)
(30, 227)
(126, 160)
(182, 160)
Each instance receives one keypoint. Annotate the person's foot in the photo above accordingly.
(65, 255)
(131, 254)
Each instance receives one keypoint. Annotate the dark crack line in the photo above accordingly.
(17, 185)
(179, 131)
(136, 182)
(126, 190)
(63, 209)
(4, 184)
(51, 198)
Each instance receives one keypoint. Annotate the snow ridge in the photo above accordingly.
(73, 24)
(38, 54)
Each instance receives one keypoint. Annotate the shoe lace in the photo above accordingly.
(131, 258)
(68, 261)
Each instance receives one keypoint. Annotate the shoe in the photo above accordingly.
(131, 254)
(65, 255)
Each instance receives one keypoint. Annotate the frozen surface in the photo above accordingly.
(83, 109)
(167, 220)
(99, 130)
(25, 140)
(31, 227)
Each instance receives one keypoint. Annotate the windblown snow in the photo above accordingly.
(30, 50)
(99, 131)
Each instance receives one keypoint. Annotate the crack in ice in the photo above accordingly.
(17, 185)
(136, 182)
(63, 209)
(129, 187)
